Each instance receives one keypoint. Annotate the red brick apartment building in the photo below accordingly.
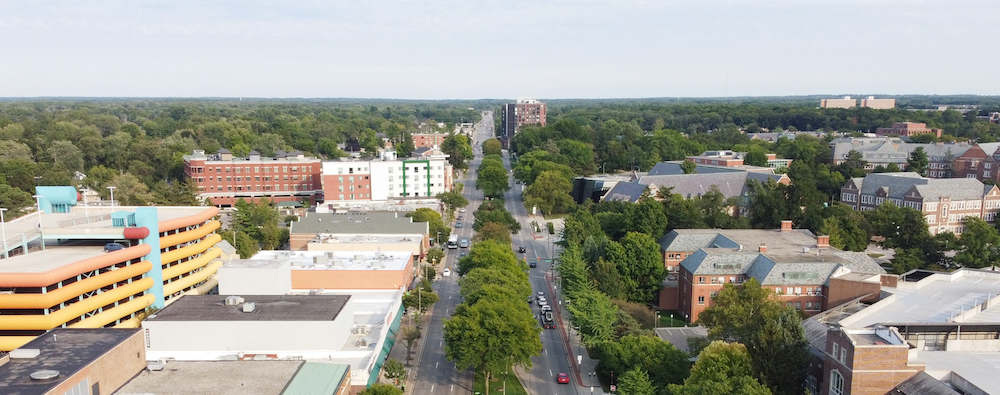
(428, 140)
(980, 161)
(908, 129)
(795, 264)
(944, 202)
(223, 179)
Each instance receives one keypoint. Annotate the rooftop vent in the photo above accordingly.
(233, 300)
(46, 374)
(24, 353)
(156, 366)
(249, 307)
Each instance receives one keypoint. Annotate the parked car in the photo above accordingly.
(546, 308)
(461, 217)
(111, 247)
(458, 224)
(461, 210)
(562, 378)
(446, 272)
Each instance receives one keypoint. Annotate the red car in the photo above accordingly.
(562, 378)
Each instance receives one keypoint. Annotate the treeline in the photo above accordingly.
(138, 145)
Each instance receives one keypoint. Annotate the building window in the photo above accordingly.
(843, 356)
(701, 280)
(836, 350)
(701, 300)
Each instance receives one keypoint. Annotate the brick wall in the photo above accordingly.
(112, 370)
(841, 291)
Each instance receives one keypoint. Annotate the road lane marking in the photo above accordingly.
(452, 388)
(432, 388)
(436, 365)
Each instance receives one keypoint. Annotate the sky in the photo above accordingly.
(486, 49)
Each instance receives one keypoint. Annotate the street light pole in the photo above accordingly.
(38, 201)
(112, 195)
(3, 225)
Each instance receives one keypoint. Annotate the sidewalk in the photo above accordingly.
(398, 351)
(583, 366)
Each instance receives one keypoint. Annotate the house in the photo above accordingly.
(944, 202)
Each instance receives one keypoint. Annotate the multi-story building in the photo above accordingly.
(795, 264)
(878, 104)
(319, 231)
(428, 140)
(846, 102)
(348, 181)
(524, 111)
(735, 159)
(980, 161)
(908, 129)
(882, 151)
(305, 270)
(224, 179)
(928, 333)
(162, 252)
(944, 202)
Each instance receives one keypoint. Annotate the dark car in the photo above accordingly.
(521, 249)
(111, 247)
(461, 217)
(458, 224)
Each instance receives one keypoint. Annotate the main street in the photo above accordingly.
(436, 374)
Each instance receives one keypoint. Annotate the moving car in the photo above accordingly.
(547, 321)
(461, 217)
(461, 210)
(446, 272)
(521, 249)
(546, 308)
(458, 224)
(464, 243)
(562, 378)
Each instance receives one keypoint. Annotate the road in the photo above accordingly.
(436, 374)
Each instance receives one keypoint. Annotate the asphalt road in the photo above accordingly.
(436, 374)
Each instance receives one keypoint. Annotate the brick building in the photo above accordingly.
(428, 140)
(795, 264)
(425, 174)
(883, 151)
(524, 111)
(223, 179)
(980, 161)
(944, 202)
(908, 129)
(735, 159)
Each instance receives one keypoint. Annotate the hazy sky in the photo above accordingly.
(451, 49)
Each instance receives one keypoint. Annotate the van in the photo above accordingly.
(464, 243)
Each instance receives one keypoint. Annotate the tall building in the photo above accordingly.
(944, 202)
(77, 281)
(878, 104)
(846, 102)
(524, 111)
(224, 179)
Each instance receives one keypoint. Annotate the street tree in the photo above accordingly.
(492, 336)
(420, 300)
(434, 222)
(771, 331)
(458, 149)
(434, 255)
(510, 278)
(492, 147)
(381, 389)
(638, 260)
(394, 370)
(494, 211)
(594, 313)
(453, 200)
(550, 193)
(664, 363)
(722, 368)
(486, 254)
(635, 382)
(493, 231)
(409, 335)
(492, 179)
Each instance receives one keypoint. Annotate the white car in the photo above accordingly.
(461, 210)
(446, 272)
(543, 303)
(546, 308)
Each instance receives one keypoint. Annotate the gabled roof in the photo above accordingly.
(694, 239)
(625, 191)
(922, 384)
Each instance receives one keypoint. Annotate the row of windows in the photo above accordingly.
(810, 306)
(255, 178)
(797, 291)
(251, 188)
(721, 280)
(256, 169)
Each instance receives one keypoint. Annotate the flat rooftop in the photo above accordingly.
(335, 260)
(935, 299)
(327, 238)
(64, 350)
(211, 378)
(52, 257)
(355, 223)
(980, 369)
(266, 308)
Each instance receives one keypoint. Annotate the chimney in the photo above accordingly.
(786, 226)
(822, 241)
(763, 247)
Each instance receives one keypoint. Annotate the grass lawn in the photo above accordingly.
(666, 321)
(496, 385)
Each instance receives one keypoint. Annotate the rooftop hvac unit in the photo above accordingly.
(249, 307)
(233, 300)
(359, 257)
(363, 342)
(320, 259)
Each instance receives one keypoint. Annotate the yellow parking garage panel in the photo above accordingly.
(113, 314)
(46, 300)
(46, 322)
(191, 265)
(191, 250)
(176, 286)
(194, 234)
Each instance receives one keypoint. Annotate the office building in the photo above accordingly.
(69, 279)
(846, 102)
(908, 129)
(428, 140)
(280, 272)
(797, 265)
(319, 228)
(524, 111)
(735, 159)
(878, 104)
(944, 202)
(223, 179)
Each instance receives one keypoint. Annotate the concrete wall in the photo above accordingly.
(112, 370)
(241, 280)
(232, 337)
(973, 345)
(353, 279)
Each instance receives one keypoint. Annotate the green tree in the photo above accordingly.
(492, 147)
(66, 153)
(420, 299)
(722, 368)
(906, 259)
(855, 163)
(580, 225)
(689, 167)
(550, 193)
(771, 331)
(647, 217)
(409, 336)
(640, 263)
(635, 382)
(12, 150)
(381, 389)
(593, 312)
(129, 190)
(918, 161)
(435, 225)
(979, 245)
(681, 213)
(508, 278)
(394, 370)
(756, 156)
(491, 336)
(664, 363)
(494, 211)
(453, 200)
(434, 255)
(17, 201)
(492, 179)
(493, 231)
(458, 149)
(485, 254)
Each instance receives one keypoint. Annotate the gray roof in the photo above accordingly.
(931, 189)
(892, 149)
(674, 168)
(694, 239)
(922, 384)
(709, 261)
(64, 350)
(266, 308)
(625, 191)
(358, 223)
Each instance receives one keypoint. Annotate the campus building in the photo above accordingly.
(944, 202)
(735, 159)
(846, 102)
(878, 104)
(69, 279)
(428, 140)
(928, 333)
(223, 179)
(908, 129)
(379, 229)
(980, 161)
(350, 181)
(883, 151)
(797, 265)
